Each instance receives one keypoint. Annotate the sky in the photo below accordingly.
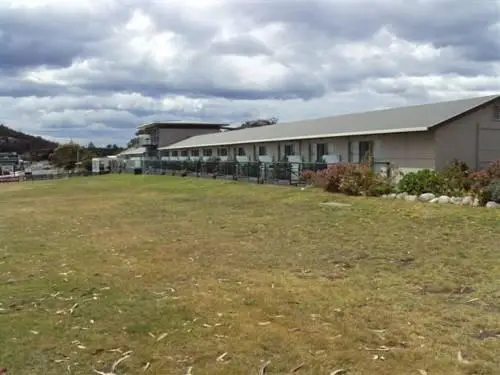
(93, 70)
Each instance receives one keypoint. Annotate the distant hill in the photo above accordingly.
(25, 144)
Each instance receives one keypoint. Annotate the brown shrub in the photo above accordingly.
(350, 179)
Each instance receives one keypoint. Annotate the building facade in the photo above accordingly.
(466, 130)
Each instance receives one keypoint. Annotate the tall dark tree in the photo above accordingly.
(257, 123)
(133, 142)
(68, 155)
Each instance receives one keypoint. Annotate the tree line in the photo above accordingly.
(72, 155)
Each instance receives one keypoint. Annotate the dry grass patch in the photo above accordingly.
(182, 276)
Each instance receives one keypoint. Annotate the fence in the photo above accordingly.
(41, 176)
(259, 172)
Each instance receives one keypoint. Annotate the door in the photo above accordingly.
(365, 151)
(321, 150)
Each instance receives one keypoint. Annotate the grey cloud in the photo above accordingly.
(31, 37)
(242, 45)
(308, 49)
(444, 23)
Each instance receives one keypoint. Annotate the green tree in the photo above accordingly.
(68, 155)
(133, 142)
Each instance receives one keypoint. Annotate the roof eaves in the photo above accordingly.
(283, 139)
(467, 112)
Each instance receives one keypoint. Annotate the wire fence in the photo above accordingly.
(27, 177)
(259, 172)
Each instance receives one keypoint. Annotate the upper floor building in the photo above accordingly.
(162, 134)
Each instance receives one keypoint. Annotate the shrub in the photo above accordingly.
(339, 177)
(457, 178)
(493, 170)
(481, 180)
(356, 179)
(380, 186)
(309, 177)
(423, 181)
(350, 179)
(493, 192)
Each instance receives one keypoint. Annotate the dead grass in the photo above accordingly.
(181, 271)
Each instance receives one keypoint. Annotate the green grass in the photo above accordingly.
(261, 272)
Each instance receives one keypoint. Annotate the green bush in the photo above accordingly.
(457, 176)
(379, 187)
(493, 192)
(423, 181)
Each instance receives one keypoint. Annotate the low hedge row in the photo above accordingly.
(457, 179)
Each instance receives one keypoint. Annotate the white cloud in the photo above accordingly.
(93, 70)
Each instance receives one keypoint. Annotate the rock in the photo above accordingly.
(385, 196)
(492, 205)
(392, 196)
(476, 202)
(411, 198)
(426, 197)
(456, 200)
(444, 199)
(435, 200)
(335, 204)
(401, 195)
(467, 201)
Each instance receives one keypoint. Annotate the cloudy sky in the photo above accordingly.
(92, 70)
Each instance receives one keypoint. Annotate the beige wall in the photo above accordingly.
(474, 139)
(407, 151)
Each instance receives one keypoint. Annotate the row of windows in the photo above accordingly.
(289, 150)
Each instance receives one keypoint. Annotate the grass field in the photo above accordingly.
(170, 274)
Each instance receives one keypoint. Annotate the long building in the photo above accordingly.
(412, 137)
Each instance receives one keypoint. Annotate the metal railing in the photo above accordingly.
(259, 172)
(27, 177)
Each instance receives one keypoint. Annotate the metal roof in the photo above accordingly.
(180, 123)
(413, 118)
(133, 151)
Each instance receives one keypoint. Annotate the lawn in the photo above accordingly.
(194, 276)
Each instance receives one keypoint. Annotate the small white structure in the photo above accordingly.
(100, 165)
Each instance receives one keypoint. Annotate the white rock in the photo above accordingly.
(426, 197)
(411, 198)
(392, 196)
(476, 202)
(384, 196)
(401, 195)
(467, 201)
(444, 199)
(435, 200)
(492, 205)
(456, 200)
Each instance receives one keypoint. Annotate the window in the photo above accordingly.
(321, 150)
(175, 153)
(207, 152)
(289, 150)
(222, 151)
(167, 154)
(155, 136)
(365, 150)
(184, 153)
(195, 153)
(262, 151)
(241, 151)
(496, 113)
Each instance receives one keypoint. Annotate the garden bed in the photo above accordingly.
(456, 184)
